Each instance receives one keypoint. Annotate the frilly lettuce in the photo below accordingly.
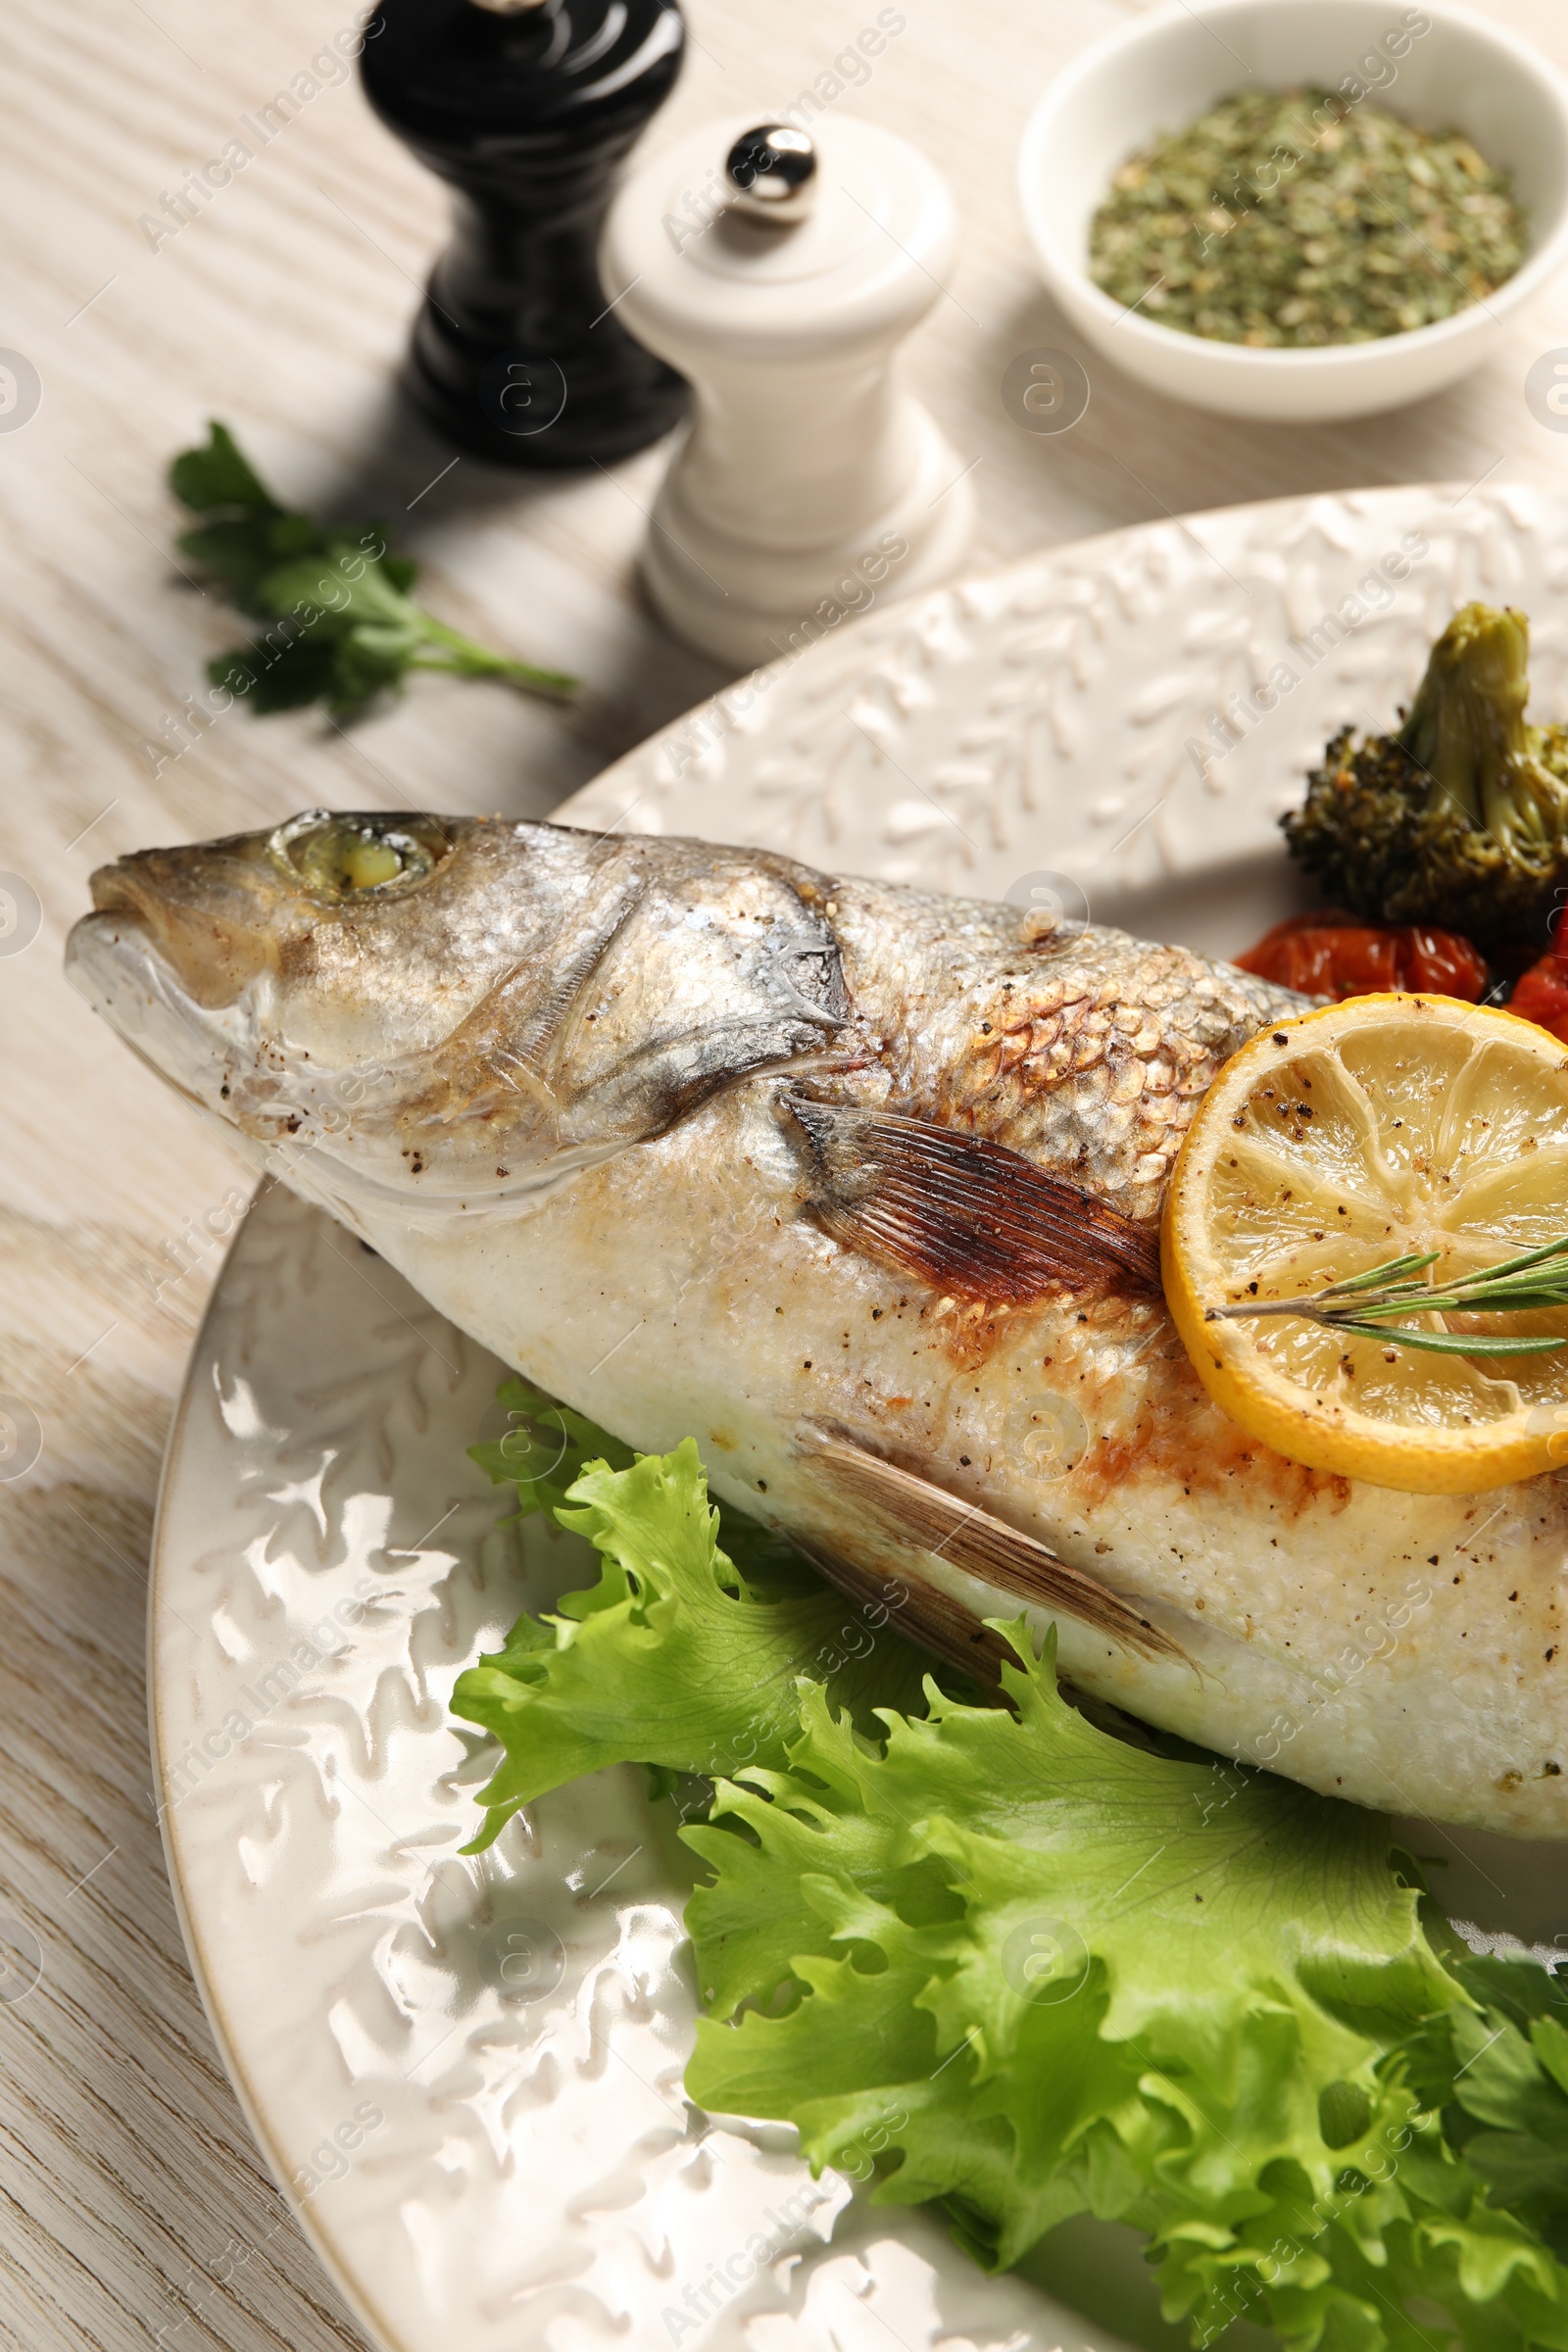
(1033, 1972)
(686, 1654)
(995, 1957)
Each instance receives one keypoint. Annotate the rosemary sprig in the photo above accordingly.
(1359, 1305)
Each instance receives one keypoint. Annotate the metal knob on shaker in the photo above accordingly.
(780, 273)
(526, 109)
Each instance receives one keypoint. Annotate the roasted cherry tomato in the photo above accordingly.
(1327, 955)
(1541, 994)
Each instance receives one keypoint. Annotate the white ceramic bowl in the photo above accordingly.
(1167, 69)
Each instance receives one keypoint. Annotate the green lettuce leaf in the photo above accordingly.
(687, 1653)
(1004, 1961)
(997, 1958)
(546, 1448)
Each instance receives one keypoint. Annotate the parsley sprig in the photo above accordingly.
(1359, 1305)
(343, 627)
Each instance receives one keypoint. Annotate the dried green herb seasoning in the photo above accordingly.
(1300, 217)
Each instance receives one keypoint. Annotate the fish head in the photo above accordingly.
(448, 1016)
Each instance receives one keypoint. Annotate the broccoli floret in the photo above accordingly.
(1461, 817)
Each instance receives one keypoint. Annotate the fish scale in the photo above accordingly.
(1136, 1033)
(858, 1185)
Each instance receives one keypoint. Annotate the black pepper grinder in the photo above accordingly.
(526, 108)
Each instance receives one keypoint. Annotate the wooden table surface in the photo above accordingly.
(133, 2208)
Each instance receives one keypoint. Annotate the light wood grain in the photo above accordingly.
(132, 2206)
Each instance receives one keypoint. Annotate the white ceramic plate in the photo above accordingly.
(468, 2070)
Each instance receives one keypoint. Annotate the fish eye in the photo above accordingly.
(340, 858)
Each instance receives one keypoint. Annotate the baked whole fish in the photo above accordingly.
(861, 1186)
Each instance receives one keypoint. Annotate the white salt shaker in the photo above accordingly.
(779, 272)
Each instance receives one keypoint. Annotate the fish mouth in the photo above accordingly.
(114, 960)
(213, 941)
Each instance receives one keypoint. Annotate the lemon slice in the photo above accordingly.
(1330, 1145)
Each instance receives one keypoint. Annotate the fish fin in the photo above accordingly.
(971, 1218)
(916, 1517)
(928, 1616)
